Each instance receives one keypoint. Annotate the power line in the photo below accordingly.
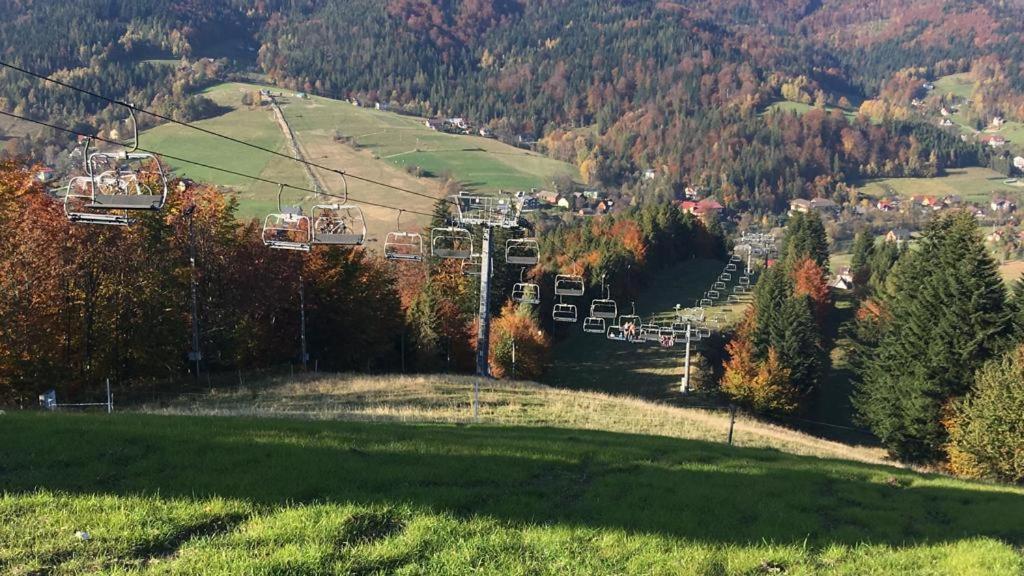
(208, 166)
(211, 132)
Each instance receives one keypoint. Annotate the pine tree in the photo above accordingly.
(860, 265)
(946, 315)
(796, 339)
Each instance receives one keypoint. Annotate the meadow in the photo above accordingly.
(150, 494)
(378, 145)
(973, 184)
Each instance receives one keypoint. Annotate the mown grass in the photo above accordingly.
(448, 399)
(592, 362)
(972, 184)
(192, 495)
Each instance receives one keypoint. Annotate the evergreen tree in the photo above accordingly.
(860, 265)
(796, 339)
(945, 315)
(806, 238)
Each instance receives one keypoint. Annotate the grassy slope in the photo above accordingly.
(189, 495)
(972, 184)
(387, 144)
(962, 86)
(591, 362)
(801, 108)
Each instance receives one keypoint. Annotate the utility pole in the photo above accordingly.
(195, 355)
(302, 322)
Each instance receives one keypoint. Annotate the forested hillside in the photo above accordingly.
(616, 89)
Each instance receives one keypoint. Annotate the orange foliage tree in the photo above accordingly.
(518, 326)
(809, 280)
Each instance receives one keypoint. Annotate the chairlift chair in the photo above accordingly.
(522, 252)
(730, 267)
(604, 308)
(725, 277)
(616, 333)
(564, 313)
(451, 242)
(78, 194)
(526, 292)
(651, 332)
(680, 328)
(735, 258)
(569, 285)
(714, 294)
(705, 333)
(666, 337)
(593, 325)
(733, 299)
(706, 302)
(744, 280)
(718, 285)
(473, 266)
(288, 228)
(338, 225)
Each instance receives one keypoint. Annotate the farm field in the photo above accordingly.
(972, 184)
(592, 362)
(218, 495)
(385, 145)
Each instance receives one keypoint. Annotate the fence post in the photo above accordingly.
(732, 421)
(110, 399)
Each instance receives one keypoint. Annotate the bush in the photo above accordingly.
(987, 432)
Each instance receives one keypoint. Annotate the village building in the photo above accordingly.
(898, 236)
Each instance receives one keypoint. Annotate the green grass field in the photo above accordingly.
(962, 86)
(959, 85)
(592, 362)
(208, 495)
(801, 108)
(972, 184)
(386, 144)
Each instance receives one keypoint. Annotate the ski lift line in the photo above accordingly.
(211, 132)
(210, 166)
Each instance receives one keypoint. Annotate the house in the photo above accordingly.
(995, 237)
(563, 202)
(1002, 205)
(997, 122)
(649, 174)
(486, 132)
(692, 192)
(898, 236)
(46, 175)
(382, 106)
(887, 205)
(706, 209)
(944, 112)
(843, 280)
(823, 205)
(434, 123)
(602, 207)
(946, 122)
(952, 200)
(928, 86)
(549, 197)
(458, 123)
(799, 205)
(592, 194)
(993, 140)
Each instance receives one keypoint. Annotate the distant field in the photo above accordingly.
(959, 85)
(216, 495)
(386, 143)
(592, 362)
(801, 108)
(972, 184)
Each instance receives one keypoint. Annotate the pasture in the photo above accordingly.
(972, 184)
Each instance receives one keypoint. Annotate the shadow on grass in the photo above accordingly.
(688, 489)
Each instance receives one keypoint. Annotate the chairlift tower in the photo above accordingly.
(487, 212)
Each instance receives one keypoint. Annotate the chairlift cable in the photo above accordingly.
(204, 165)
(212, 132)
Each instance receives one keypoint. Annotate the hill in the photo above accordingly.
(379, 145)
(149, 494)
